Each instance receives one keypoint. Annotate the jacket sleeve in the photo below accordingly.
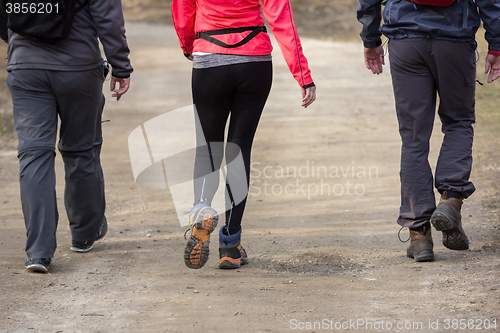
(108, 19)
(489, 11)
(280, 17)
(183, 17)
(369, 14)
(3, 22)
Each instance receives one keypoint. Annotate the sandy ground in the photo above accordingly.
(334, 259)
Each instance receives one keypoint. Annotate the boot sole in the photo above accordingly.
(192, 248)
(453, 237)
(421, 257)
(37, 268)
(229, 263)
(199, 217)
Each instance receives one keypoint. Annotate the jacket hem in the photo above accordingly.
(63, 68)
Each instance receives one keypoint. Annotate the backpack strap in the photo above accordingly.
(466, 14)
(207, 35)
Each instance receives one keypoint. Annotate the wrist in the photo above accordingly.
(372, 44)
(495, 53)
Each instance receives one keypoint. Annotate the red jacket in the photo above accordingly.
(191, 16)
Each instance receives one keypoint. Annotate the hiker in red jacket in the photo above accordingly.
(232, 75)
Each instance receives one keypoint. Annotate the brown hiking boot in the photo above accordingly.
(447, 218)
(421, 245)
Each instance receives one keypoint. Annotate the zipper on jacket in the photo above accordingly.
(466, 13)
(387, 5)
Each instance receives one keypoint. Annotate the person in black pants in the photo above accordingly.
(232, 76)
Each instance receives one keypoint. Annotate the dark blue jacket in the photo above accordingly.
(404, 19)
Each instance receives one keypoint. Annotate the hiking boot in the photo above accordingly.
(421, 244)
(203, 220)
(38, 265)
(86, 246)
(447, 218)
(231, 253)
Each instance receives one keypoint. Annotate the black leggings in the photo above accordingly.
(239, 90)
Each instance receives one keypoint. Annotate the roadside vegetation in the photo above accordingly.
(326, 19)
(6, 121)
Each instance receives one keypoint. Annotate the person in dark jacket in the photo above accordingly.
(432, 52)
(64, 79)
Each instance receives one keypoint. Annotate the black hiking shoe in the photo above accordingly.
(86, 246)
(38, 265)
(448, 219)
(231, 253)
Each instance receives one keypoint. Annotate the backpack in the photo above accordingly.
(436, 3)
(46, 21)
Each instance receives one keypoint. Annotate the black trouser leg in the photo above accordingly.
(239, 91)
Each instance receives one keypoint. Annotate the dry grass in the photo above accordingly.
(317, 18)
(333, 19)
(148, 10)
(6, 122)
(486, 168)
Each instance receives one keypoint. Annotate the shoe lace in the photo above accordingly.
(399, 235)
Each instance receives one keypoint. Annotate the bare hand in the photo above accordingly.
(492, 67)
(123, 85)
(308, 96)
(374, 59)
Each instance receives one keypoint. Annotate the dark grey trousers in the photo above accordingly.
(39, 98)
(422, 69)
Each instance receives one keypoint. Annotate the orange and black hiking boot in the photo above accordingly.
(232, 254)
(203, 220)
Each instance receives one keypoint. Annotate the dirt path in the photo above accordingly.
(318, 259)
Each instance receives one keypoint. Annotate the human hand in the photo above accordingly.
(123, 85)
(308, 96)
(374, 59)
(492, 67)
